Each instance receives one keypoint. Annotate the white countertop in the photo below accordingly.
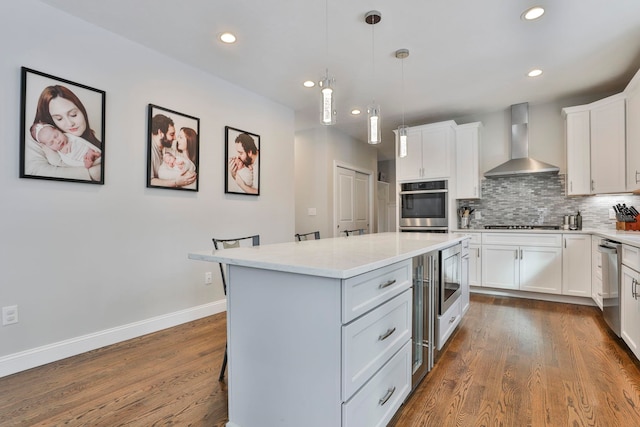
(338, 257)
(627, 237)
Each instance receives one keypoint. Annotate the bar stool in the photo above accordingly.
(356, 232)
(307, 236)
(226, 244)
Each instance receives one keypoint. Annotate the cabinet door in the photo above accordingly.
(541, 269)
(467, 161)
(633, 134)
(410, 167)
(577, 137)
(475, 265)
(608, 162)
(500, 266)
(576, 265)
(596, 271)
(630, 310)
(436, 152)
(464, 283)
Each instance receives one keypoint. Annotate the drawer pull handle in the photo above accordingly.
(387, 284)
(453, 319)
(386, 334)
(387, 396)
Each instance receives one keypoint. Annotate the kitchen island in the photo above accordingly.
(319, 331)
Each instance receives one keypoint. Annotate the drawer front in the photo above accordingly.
(475, 238)
(365, 292)
(376, 403)
(522, 239)
(446, 324)
(631, 257)
(370, 341)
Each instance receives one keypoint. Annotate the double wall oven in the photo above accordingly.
(436, 286)
(424, 206)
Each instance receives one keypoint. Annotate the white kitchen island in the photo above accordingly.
(319, 331)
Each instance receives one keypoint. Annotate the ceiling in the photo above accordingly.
(466, 56)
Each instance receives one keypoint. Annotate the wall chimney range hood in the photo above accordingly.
(520, 163)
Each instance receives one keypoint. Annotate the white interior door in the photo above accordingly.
(352, 200)
(361, 201)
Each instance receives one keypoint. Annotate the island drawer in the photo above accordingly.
(367, 291)
(446, 324)
(376, 403)
(522, 239)
(370, 341)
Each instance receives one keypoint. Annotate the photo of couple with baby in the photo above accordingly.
(64, 139)
(173, 150)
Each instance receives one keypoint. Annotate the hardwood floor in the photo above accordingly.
(512, 362)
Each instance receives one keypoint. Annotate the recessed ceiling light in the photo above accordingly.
(533, 13)
(309, 83)
(227, 38)
(535, 72)
(355, 112)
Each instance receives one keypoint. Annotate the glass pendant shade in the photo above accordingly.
(328, 116)
(402, 141)
(373, 128)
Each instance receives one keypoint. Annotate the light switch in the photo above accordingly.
(311, 211)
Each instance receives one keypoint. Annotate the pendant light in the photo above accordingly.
(328, 113)
(402, 129)
(373, 111)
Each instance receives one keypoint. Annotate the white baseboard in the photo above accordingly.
(566, 299)
(39, 356)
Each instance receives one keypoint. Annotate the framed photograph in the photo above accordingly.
(173, 147)
(242, 168)
(61, 129)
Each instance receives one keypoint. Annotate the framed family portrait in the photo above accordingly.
(62, 127)
(173, 147)
(242, 168)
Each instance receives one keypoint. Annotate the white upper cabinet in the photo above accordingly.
(468, 143)
(632, 94)
(578, 142)
(608, 145)
(595, 140)
(430, 153)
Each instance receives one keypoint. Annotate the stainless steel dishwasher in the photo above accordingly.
(611, 253)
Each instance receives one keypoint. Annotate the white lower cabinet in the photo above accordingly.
(576, 265)
(596, 271)
(630, 309)
(475, 265)
(528, 262)
(447, 323)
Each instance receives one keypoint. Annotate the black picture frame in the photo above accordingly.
(237, 180)
(172, 160)
(53, 109)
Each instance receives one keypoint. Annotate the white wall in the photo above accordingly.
(82, 261)
(315, 152)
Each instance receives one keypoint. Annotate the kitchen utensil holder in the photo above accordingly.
(629, 226)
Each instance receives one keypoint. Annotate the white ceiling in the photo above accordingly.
(466, 56)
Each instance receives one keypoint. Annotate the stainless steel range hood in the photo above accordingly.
(520, 163)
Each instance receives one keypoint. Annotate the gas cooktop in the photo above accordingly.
(522, 227)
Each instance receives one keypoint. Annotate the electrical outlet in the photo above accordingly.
(612, 214)
(9, 315)
(311, 211)
(208, 278)
(477, 215)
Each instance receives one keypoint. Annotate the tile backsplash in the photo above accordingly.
(540, 199)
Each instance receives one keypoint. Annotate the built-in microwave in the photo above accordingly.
(424, 206)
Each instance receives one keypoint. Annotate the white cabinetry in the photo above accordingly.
(595, 140)
(629, 298)
(468, 176)
(578, 142)
(608, 145)
(632, 94)
(596, 271)
(430, 153)
(576, 265)
(528, 262)
(475, 262)
(464, 276)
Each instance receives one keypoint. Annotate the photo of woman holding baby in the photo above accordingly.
(62, 129)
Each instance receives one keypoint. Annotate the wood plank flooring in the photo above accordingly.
(512, 362)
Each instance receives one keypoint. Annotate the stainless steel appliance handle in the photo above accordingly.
(424, 192)
(387, 396)
(607, 250)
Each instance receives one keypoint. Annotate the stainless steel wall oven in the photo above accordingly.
(424, 206)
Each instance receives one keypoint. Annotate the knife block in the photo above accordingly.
(629, 226)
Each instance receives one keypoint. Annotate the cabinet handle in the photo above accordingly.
(593, 185)
(475, 187)
(571, 186)
(453, 319)
(387, 396)
(565, 243)
(386, 334)
(520, 253)
(637, 176)
(516, 254)
(634, 283)
(387, 284)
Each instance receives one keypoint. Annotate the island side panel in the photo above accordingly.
(284, 349)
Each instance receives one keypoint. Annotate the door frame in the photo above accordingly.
(372, 194)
